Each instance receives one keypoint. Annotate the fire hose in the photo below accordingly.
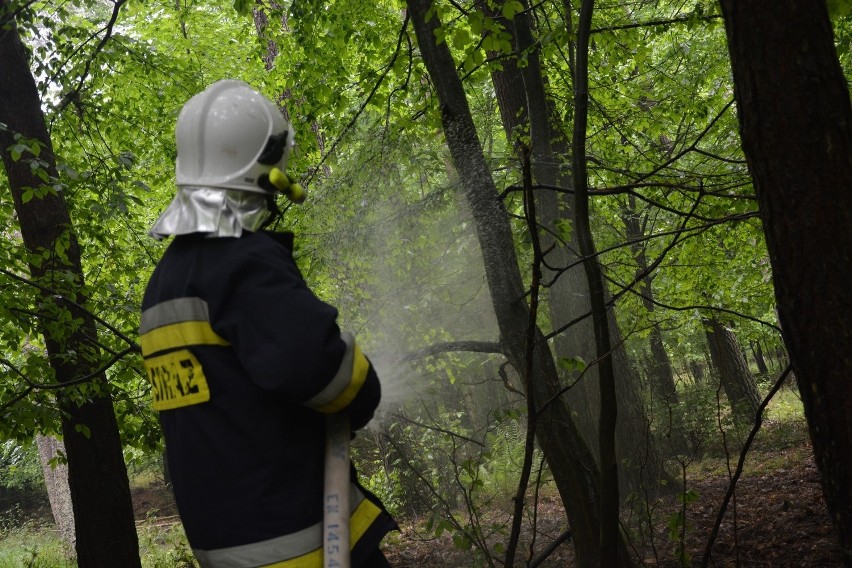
(336, 497)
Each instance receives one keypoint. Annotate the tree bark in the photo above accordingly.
(696, 370)
(757, 351)
(661, 374)
(569, 458)
(103, 512)
(737, 381)
(58, 490)
(526, 109)
(609, 532)
(796, 126)
(660, 379)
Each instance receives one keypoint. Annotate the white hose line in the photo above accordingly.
(336, 498)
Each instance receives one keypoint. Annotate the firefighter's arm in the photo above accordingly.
(289, 342)
(354, 389)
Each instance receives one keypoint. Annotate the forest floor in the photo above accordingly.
(780, 521)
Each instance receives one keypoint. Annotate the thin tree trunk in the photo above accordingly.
(572, 464)
(103, 511)
(796, 124)
(610, 530)
(524, 105)
(661, 374)
(758, 357)
(696, 370)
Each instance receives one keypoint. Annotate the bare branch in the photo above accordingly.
(74, 93)
(450, 346)
(758, 421)
(450, 433)
(366, 101)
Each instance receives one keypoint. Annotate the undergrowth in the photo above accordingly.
(454, 479)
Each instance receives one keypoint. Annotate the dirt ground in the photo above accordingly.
(780, 521)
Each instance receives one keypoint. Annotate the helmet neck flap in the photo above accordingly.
(217, 212)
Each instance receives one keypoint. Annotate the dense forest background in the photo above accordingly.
(592, 249)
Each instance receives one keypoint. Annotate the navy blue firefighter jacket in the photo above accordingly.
(245, 362)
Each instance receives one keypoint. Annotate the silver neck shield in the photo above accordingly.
(216, 212)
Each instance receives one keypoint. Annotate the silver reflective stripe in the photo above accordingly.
(341, 380)
(273, 550)
(174, 311)
(263, 552)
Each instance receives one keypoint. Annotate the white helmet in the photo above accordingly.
(229, 136)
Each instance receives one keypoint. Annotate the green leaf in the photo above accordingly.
(243, 7)
(461, 38)
(461, 541)
(674, 523)
(84, 430)
(575, 363)
(839, 8)
(511, 8)
(17, 150)
(565, 228)
(689, 496)
(474, 20)
(440, 35)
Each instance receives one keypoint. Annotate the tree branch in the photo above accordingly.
(654, 23)
(437, 429)
(133, 346)
(75, 92)
(470, 346)
(366, 101)
(758, 421)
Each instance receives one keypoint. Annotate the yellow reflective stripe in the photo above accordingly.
(182, 334)
(361, 519)
(310, 560)
(359, 522)
(360, 368)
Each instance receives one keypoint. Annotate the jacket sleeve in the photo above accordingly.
(288, 340)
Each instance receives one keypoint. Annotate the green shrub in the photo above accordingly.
(164, 546)
(24, 544)
(20, 467)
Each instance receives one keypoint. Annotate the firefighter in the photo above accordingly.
(244, 360)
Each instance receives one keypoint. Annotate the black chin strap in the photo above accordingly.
(275, 212)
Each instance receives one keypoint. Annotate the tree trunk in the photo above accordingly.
(524, 105)
(58, 490)
(661, 375)
(610, 530)
(570, 460)
(737, 381)
(103, 512)
(757, 351)
(696, 370)
(796, 126)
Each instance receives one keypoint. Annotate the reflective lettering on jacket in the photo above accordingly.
(302, 549)
(166, 332)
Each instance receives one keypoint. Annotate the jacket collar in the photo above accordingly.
(285, 238)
